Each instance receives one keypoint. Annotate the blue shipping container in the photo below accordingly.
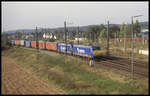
(27, 43)
(83, 50)
(12, 42)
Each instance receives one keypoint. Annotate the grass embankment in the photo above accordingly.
(73, 76)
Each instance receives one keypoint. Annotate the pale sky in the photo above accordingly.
(27, 15)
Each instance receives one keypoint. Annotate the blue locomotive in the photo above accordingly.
(81, 50)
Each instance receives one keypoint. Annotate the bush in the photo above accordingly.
(5, 43)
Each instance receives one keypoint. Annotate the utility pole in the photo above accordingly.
(78, 34)
(108, 38)
(116, 42)
(37, 43)
(132, 45)
(36, 38)
(45, 35)
(25, 35)
(65, 36)
(125, 38)
(93, 36)
(18, 35)
(97, 38)
(42, 33)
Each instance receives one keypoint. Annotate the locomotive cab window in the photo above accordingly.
(96, 48)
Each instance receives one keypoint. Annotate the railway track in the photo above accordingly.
(142, 74)
(124, 61)
(136, 60)
(123, 64)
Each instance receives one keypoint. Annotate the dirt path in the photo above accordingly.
(19, 80)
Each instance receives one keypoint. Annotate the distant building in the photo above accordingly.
(80, 39)
(144, 33)
(46, 36)
(54, 37)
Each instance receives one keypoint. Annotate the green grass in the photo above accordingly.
(68, 74)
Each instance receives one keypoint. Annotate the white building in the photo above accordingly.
(46, 36)
(144, 33)
(80, 39)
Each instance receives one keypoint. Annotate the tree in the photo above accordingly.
(5, 42)
(128, 30)
(93, 32)
(113, 30)
(137, 28)
(103, 33)
(102, 27)
(18, 35)
(121, 34)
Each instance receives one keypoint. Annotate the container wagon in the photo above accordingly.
(22, 42)
(17, 42)
(12, 42)
(41, 44)
(27, 43)
(51, 46)
(33, 44)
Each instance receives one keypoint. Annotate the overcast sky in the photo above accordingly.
(27, 15)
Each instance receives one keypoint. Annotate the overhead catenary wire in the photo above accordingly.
(107, 38)
(37, 47)
(65, 36)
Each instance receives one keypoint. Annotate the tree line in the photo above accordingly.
(100, 31)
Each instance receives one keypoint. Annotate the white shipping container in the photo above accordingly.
(22, 42)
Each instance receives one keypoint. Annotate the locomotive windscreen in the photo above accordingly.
(96, 48)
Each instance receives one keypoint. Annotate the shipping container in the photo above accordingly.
(51, 46)
(41, 44)
(13, 42)
(82, 50)
(27, 43)
(33, 44)
(17, 42)
(22, 42)
(146, 40)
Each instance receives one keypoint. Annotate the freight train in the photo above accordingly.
(80, 50)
